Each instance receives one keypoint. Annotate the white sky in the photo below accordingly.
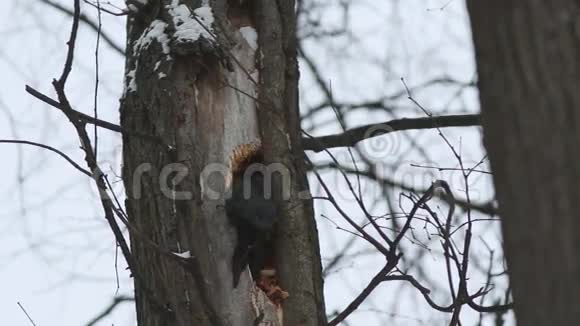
(56, 253)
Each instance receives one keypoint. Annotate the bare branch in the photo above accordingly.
(375, 281)
(353, 136)
(91, 24)
(85, 118)
(26, 313)
(485, 208)
(52, 149)
(116, 301)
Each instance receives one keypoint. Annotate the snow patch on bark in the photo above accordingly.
(130, 83)
(188, 28)
(184, 255)
(155, 32)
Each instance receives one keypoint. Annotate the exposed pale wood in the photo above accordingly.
(202, 119)
(202, 111)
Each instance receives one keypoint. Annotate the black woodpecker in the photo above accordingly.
(251, 210)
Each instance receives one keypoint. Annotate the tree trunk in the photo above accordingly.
(191, 88)
(298, 253)
(528, 59)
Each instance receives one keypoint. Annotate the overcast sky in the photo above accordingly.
(57, 256)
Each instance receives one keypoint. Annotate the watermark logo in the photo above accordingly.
(381, 142)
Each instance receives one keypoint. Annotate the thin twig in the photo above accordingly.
(122, 12)
(96, 97)
(375, 281)
(52, 149)
(86, 20)
(85, 118)
(116, 301)
(26, 313)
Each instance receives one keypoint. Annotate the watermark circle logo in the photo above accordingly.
(380, 142)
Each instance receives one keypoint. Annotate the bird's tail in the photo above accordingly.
(239, 262)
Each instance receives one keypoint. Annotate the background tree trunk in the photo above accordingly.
(198, 101)
(528, 58)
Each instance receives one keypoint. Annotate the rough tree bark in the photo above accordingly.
(193, 88)
(528, 59)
